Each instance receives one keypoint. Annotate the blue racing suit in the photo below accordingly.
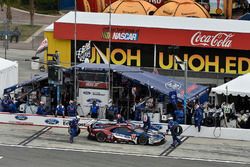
(198, 117)
(171, 126)
(73, 129)
(94, 109)
(138, 109)
(146, 122)
(71, 109)
(112, 111)
(41, 110)
(60, 110)
(120, 120)
(6, 105)
(179, 115)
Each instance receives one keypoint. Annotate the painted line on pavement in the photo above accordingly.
(209, 160)
(170, 147)
(1, 157)
(127, 154)
(187, 128)
(35, 136)
(168, 150)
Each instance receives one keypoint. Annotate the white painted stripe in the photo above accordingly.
(129, 154)
(209, 160)
(81, 150)
(1, 157)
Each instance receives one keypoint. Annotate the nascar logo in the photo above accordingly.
(127, 36)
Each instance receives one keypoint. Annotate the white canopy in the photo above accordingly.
(238, 86)
(8, 74)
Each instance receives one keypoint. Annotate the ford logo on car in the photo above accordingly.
(51, 121)
(21, 117)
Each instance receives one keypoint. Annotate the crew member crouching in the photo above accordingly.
(74, 129)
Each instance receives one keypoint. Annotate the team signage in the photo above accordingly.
(198, 59)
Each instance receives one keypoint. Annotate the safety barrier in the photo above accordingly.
(188, 130)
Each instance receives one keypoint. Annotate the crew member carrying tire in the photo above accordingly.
(175, 130)
(74, 129)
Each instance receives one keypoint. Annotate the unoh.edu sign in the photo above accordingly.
(142, 55)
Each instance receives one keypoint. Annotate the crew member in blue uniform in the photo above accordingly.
(139, 108)
(146, 122)
(112, 111)
(6, 103)
(198, 116)
(120, 119)
(71, 109)
(60, 110)
(94, 110)
(172, 128)
(41, 109)
(74, 129)
(13, 106)
(179, 116)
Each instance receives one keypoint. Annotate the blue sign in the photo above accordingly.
(51, 121)
(21, 117)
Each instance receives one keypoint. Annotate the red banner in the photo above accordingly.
(160, 36)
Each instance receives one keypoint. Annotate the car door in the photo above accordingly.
(122, 133)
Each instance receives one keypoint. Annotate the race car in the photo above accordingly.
(124, 133)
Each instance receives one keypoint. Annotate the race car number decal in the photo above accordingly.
(133, 136)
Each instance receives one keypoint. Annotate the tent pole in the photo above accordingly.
(75, 93)
(155, 58)
(109, 72)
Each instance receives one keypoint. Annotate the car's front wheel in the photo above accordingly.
(101, 137)
(143, 139)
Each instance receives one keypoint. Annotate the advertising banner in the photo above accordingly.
(212, 60)
(28, 119)
(87, 96)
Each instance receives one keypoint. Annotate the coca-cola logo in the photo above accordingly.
(218, 40)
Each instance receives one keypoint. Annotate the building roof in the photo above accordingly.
(156, 22)
(50, 27)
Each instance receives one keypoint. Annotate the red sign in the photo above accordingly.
(93, 84)
(221, 40)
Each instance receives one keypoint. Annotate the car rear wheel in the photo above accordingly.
(101, 137)
(143, 139)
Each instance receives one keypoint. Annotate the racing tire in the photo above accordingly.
(78, 131)
(209, 121)
(142, 140)
(101, 137)
(177, 129)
